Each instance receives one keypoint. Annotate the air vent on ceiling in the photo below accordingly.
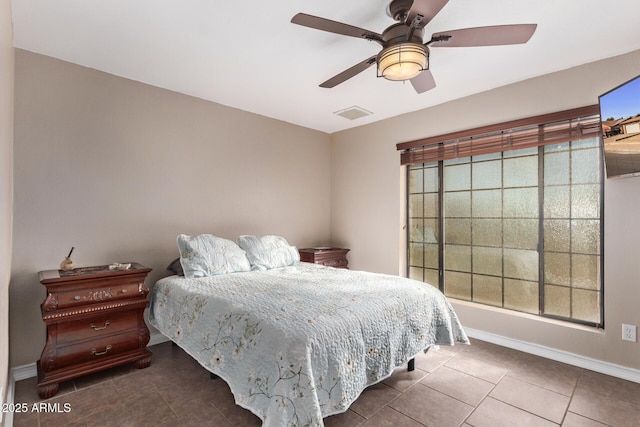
(353, 113)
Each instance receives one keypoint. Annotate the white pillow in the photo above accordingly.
(206, 255)
(268, 252)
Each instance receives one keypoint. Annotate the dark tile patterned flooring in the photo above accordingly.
(478, 385)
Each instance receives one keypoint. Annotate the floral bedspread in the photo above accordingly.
(299, 343)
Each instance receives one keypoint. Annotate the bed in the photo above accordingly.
(299, 342)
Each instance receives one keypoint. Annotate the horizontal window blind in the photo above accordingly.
(554, 128)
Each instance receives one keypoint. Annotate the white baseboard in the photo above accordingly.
(618, 371)
(23, 372)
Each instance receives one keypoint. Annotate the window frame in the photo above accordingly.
(570, 133)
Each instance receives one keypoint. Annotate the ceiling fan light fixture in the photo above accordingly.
(402, 61)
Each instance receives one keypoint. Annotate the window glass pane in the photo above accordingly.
(520, 264)
(585, 271)
(457, 204)
(423, 230)
(458, 285)
(457, 257)
(416, 180)
(431, 256)
(585, 305)
(416, 230)
(557, 235)
(585, 201)
(557, 202)
(415, 205)
(431, 205)
(416, 273)
(487, 290)
(487, 232)
(430, 230)
(521, 172)
(521, 295)
(585, 166)
(521, 203)
(521, 233)
(557, 300)
(585, 236)
(416, 254)
(431, 179)
(458, 231)
(557, 269)
(457, 177)
(487, 203)
(487, 175)
(487, 261)
(556, 168)
(431, 277)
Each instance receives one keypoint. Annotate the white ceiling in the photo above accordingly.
(249, 56)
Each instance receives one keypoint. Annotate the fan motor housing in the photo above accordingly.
(398, 33)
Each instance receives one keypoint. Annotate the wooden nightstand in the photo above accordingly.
(331, 257)
(94, 319)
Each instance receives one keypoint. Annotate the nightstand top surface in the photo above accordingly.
(323, 249)
(53, 276)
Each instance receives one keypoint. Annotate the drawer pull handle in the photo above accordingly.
(100, 353)
(124, 291)
(96, 328)
(77, 298)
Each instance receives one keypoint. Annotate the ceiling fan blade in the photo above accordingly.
(423, 81)
(349, 72)
(334, 26)
(484, 36)
(426, 8)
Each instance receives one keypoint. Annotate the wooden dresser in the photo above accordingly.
(331, 257)
(94, 319)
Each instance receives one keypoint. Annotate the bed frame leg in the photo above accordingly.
(411, 365)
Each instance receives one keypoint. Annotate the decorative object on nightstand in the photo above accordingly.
(325, 255)
(94, 319)
(67, 263)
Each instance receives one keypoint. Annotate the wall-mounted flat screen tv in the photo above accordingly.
(620, 117)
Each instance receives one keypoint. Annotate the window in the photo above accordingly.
(519, 228)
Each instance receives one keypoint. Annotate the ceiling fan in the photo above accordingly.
(404, 54)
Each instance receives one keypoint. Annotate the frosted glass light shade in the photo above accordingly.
(402, 61)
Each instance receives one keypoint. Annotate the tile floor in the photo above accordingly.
(478, 385)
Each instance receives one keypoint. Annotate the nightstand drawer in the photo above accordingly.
(73, 298)
(97, 326)
(335, 262)
(92, 350)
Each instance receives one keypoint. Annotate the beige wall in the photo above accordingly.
(6, 185)
(118, 169)
(367, 199)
